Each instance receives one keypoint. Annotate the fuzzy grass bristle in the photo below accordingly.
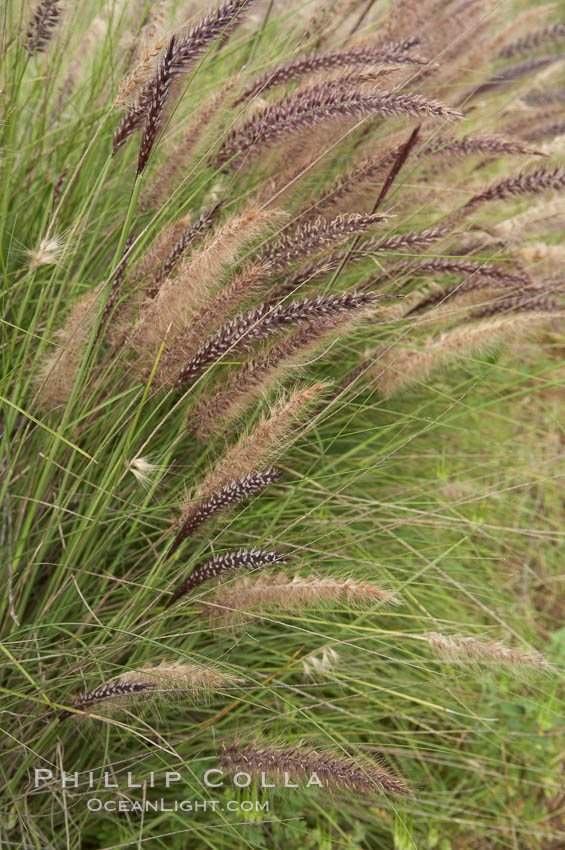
(48, 253)
(266, 320)
(265, 441)
(491, 145)
(235, 603)
(165, 680)
(322, 768)
(181, 52)
(320, 665)
(323, 62)
(169, 311)
(533, 40)
(317, 106)
(412, 241)
(196, 514)
(129, 88)
(481, 276)
(244, 285)
(461, 649)
(537, 300)
(314, 237)
(526, 183)
(41, 29)
(215, 412)
(224, 564)
(397, 368)
(60, 367)
(143, 471)
(174, 248)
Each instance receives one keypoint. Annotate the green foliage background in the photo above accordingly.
(450, 494)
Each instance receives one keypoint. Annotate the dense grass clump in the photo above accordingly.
(282, 392)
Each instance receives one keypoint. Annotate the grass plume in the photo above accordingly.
(397, 368)
(225, 564)
(180, 328)
(320, 105)
(334, 772)
(245, 285)
(196, 514)
(533, 40)
(461, 649)
(265, 441)
(314, 237)
(180, 297)
(235, 395)
(165, 680)
(524, 184)
(265, 320)
(181, 52)
(60, 366)
(42, 26)
(235, 602)
(323, 62)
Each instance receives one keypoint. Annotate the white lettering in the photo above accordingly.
(131, 783)
(287, 782)
(41, 773)
(208, 774)
(107, 783)
(69, 779)
(246, 780)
